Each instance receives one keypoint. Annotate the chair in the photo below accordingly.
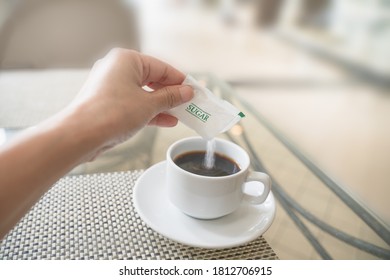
(47, 34)
(65, 33)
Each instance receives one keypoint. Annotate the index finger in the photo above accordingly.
(157, 72)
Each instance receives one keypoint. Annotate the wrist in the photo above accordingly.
(79, 135)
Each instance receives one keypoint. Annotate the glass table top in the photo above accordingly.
(301, 212)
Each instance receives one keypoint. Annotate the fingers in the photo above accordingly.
(171, 96)
(157, 73)
(164, 120)
(153, 72)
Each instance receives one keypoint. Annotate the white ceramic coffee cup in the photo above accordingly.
(207, 197)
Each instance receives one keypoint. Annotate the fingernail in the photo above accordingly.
(186, 93)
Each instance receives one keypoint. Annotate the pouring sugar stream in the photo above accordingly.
(208, 115)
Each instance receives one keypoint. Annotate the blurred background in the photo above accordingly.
(318, 70)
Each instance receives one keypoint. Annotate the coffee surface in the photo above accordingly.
(194, 162)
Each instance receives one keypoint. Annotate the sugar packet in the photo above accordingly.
(207, 114)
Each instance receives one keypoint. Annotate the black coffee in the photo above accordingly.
(194, 162)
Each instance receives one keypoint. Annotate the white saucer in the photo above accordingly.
(242, 226)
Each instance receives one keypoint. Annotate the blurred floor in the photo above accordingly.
(341, 123)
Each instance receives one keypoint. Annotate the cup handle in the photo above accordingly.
(262, 178)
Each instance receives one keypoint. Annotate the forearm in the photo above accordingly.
(37, 159)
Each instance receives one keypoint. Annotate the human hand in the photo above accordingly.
(111, 106)
(113, 103)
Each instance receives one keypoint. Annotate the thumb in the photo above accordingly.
(171, 96)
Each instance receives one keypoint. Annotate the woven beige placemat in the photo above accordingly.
(92, 217)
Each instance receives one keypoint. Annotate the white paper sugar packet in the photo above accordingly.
(207, 114)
